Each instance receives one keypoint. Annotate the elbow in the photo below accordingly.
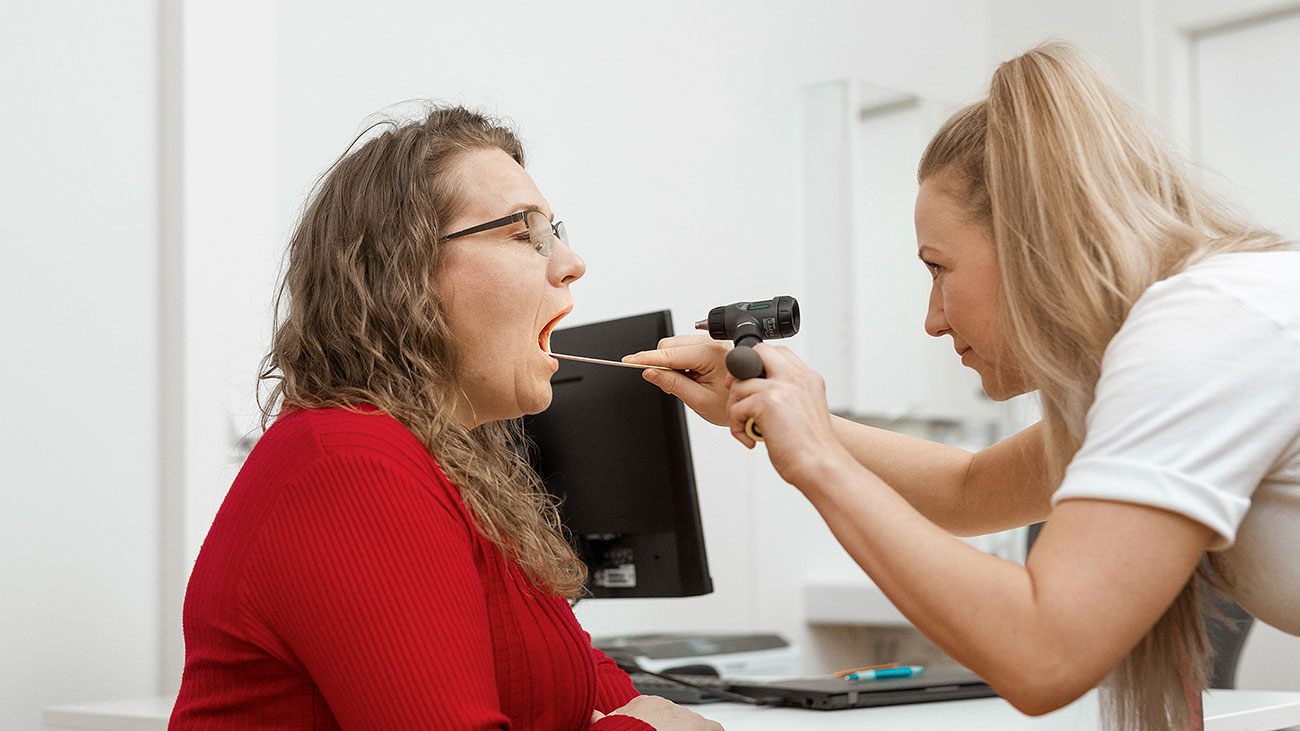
(1036, 691)
(1038, 703)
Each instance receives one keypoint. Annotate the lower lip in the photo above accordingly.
(968, 354)
(555, 364)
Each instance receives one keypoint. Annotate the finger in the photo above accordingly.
(692, 357)
(677, 341)
(777, 359)
(676, 384)
(595, 716)
(681, 341)
(738, 415)
(743, 389)
(705, 399)
(738, 433)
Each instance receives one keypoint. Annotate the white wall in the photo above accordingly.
(665, 136)
(226, 248)
(78, 355)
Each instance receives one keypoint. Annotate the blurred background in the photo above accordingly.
(157, 153)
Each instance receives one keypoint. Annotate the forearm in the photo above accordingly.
(1041, 634)
(965, 493)
(982, 610)
(929, 475)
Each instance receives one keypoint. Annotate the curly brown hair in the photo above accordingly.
(359, 322)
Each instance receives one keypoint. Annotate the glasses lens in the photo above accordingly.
(540, 232)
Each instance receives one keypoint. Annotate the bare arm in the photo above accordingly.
(1000, 487)
(1041, 634)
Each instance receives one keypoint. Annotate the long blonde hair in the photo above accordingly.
(1087, 207)
(359, 322)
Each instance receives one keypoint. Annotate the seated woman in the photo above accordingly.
(385, 559)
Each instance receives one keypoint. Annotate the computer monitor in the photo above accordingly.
(615, 451)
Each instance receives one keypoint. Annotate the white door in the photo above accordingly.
(1246, 107)
(1246, 91)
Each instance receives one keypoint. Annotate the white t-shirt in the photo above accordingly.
(1197, 411)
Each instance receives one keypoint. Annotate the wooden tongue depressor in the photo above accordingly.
(607, 362)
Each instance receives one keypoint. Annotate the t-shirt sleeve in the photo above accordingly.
(369, 576)
(1198, 398)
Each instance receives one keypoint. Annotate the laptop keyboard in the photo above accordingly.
(647, 684)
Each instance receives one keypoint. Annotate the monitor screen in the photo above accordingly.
(615, 451)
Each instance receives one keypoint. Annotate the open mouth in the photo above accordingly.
(544, 339)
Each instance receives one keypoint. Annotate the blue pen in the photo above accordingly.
(883, 673)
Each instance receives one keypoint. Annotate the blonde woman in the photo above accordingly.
(384, 560)
(1072, 255)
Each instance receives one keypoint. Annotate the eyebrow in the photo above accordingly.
(521, 207)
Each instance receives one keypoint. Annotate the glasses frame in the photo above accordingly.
(557, 229)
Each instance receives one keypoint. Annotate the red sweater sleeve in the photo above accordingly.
(613, 690)
(378, 595)
(613, 687)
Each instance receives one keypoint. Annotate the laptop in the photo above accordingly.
(828, 694)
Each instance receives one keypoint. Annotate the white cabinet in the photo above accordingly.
(866, 293)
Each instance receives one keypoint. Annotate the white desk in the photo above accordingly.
(1226, 710)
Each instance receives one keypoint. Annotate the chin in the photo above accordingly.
(538, 403)
(1002, 389)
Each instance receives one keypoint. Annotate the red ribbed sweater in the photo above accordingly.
(343, 585)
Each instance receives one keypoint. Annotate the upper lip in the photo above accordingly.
(544, 338)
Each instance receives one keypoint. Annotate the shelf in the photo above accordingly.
(849, 601)
(138, 714)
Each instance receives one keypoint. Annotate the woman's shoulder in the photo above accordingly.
(1241, 271)
(306, 446)
(1244, 265)
(340, 420)
(321, 456)
(348, 431)
(1241, 284)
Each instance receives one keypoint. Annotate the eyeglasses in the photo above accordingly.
(541, 232)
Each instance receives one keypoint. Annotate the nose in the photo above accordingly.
(566, 266)
(936, 322)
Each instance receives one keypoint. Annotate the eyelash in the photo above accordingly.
(526, 238)
(935, 269)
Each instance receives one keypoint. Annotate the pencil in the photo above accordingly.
(846, 673)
